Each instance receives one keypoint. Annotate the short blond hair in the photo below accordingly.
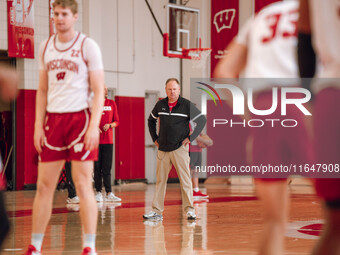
(72, 4)
(171, 79)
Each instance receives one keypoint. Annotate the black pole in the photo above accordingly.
(153, 15)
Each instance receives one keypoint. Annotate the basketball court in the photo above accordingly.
(143, 44)
(229, 222)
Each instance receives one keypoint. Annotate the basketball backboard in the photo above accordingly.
(183, 26)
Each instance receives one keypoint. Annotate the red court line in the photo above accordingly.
(24, 213)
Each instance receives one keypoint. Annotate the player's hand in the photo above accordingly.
(201, 145)
(39, 138)
(106, 127)
(91, 139)
(156, 143)
(186, 141)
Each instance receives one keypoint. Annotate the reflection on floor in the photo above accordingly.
(229, 222)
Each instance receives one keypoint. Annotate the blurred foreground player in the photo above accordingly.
(266, 48)
(8, 91)
(320, 23)
(65, 129)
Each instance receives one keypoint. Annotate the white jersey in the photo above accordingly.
(325, 21)
(68, 65)
(271, 39)
(19, 11)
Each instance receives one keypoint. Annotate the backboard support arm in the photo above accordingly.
(154, 17)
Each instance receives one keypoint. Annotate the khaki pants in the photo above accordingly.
(180, 159)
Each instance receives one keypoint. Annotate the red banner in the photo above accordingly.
(20, 19)
(52, 27)
(224, 26)
(259, 4)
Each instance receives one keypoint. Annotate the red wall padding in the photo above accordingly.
(130, 138)
(27, 157)
(129, 144)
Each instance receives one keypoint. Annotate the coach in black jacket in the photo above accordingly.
(175, 113)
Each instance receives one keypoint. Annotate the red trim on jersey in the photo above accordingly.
(43, 55)
(81, 49)
(55, 46)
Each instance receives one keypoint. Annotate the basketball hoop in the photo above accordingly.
(198, 55)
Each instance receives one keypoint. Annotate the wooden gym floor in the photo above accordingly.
(230, 222)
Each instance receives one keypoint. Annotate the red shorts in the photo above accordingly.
(327, 139)
(64, 137)
(278, 145)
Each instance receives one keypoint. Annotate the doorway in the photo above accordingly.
(111, 93)
(7, 131)
(151, 98)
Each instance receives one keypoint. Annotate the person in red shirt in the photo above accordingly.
(196, 147)
(102, 167)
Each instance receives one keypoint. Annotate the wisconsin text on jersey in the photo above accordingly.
(58, 64)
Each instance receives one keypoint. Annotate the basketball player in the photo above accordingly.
(102, 167)
(8, 90)
(266, 48)
(65, 129)
(320, 23)
(196, 160)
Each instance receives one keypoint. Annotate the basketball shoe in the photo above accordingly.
(191, 215)
(88, 251)
(199, 195)
(110, 197)
(32, 251)
(73, 200)
(152, 216)
(99, 197)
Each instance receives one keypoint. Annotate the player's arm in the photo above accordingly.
(233, 62)
(200, 120)
(235, 59)
(96, 79)
(306, 54)
(93, 56)
(40, 111)
(41, 101)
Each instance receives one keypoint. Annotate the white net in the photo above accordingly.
(199, 57)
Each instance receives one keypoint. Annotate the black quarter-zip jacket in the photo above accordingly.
(174, 125)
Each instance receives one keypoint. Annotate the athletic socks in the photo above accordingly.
(90, 241)
(37, 240)
(196, 189)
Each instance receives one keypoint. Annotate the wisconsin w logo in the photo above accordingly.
(224, 19)
(209, 93)
(61, 76)
(78, 147)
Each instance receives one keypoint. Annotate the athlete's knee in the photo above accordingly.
(83, 189)
(45, 187)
